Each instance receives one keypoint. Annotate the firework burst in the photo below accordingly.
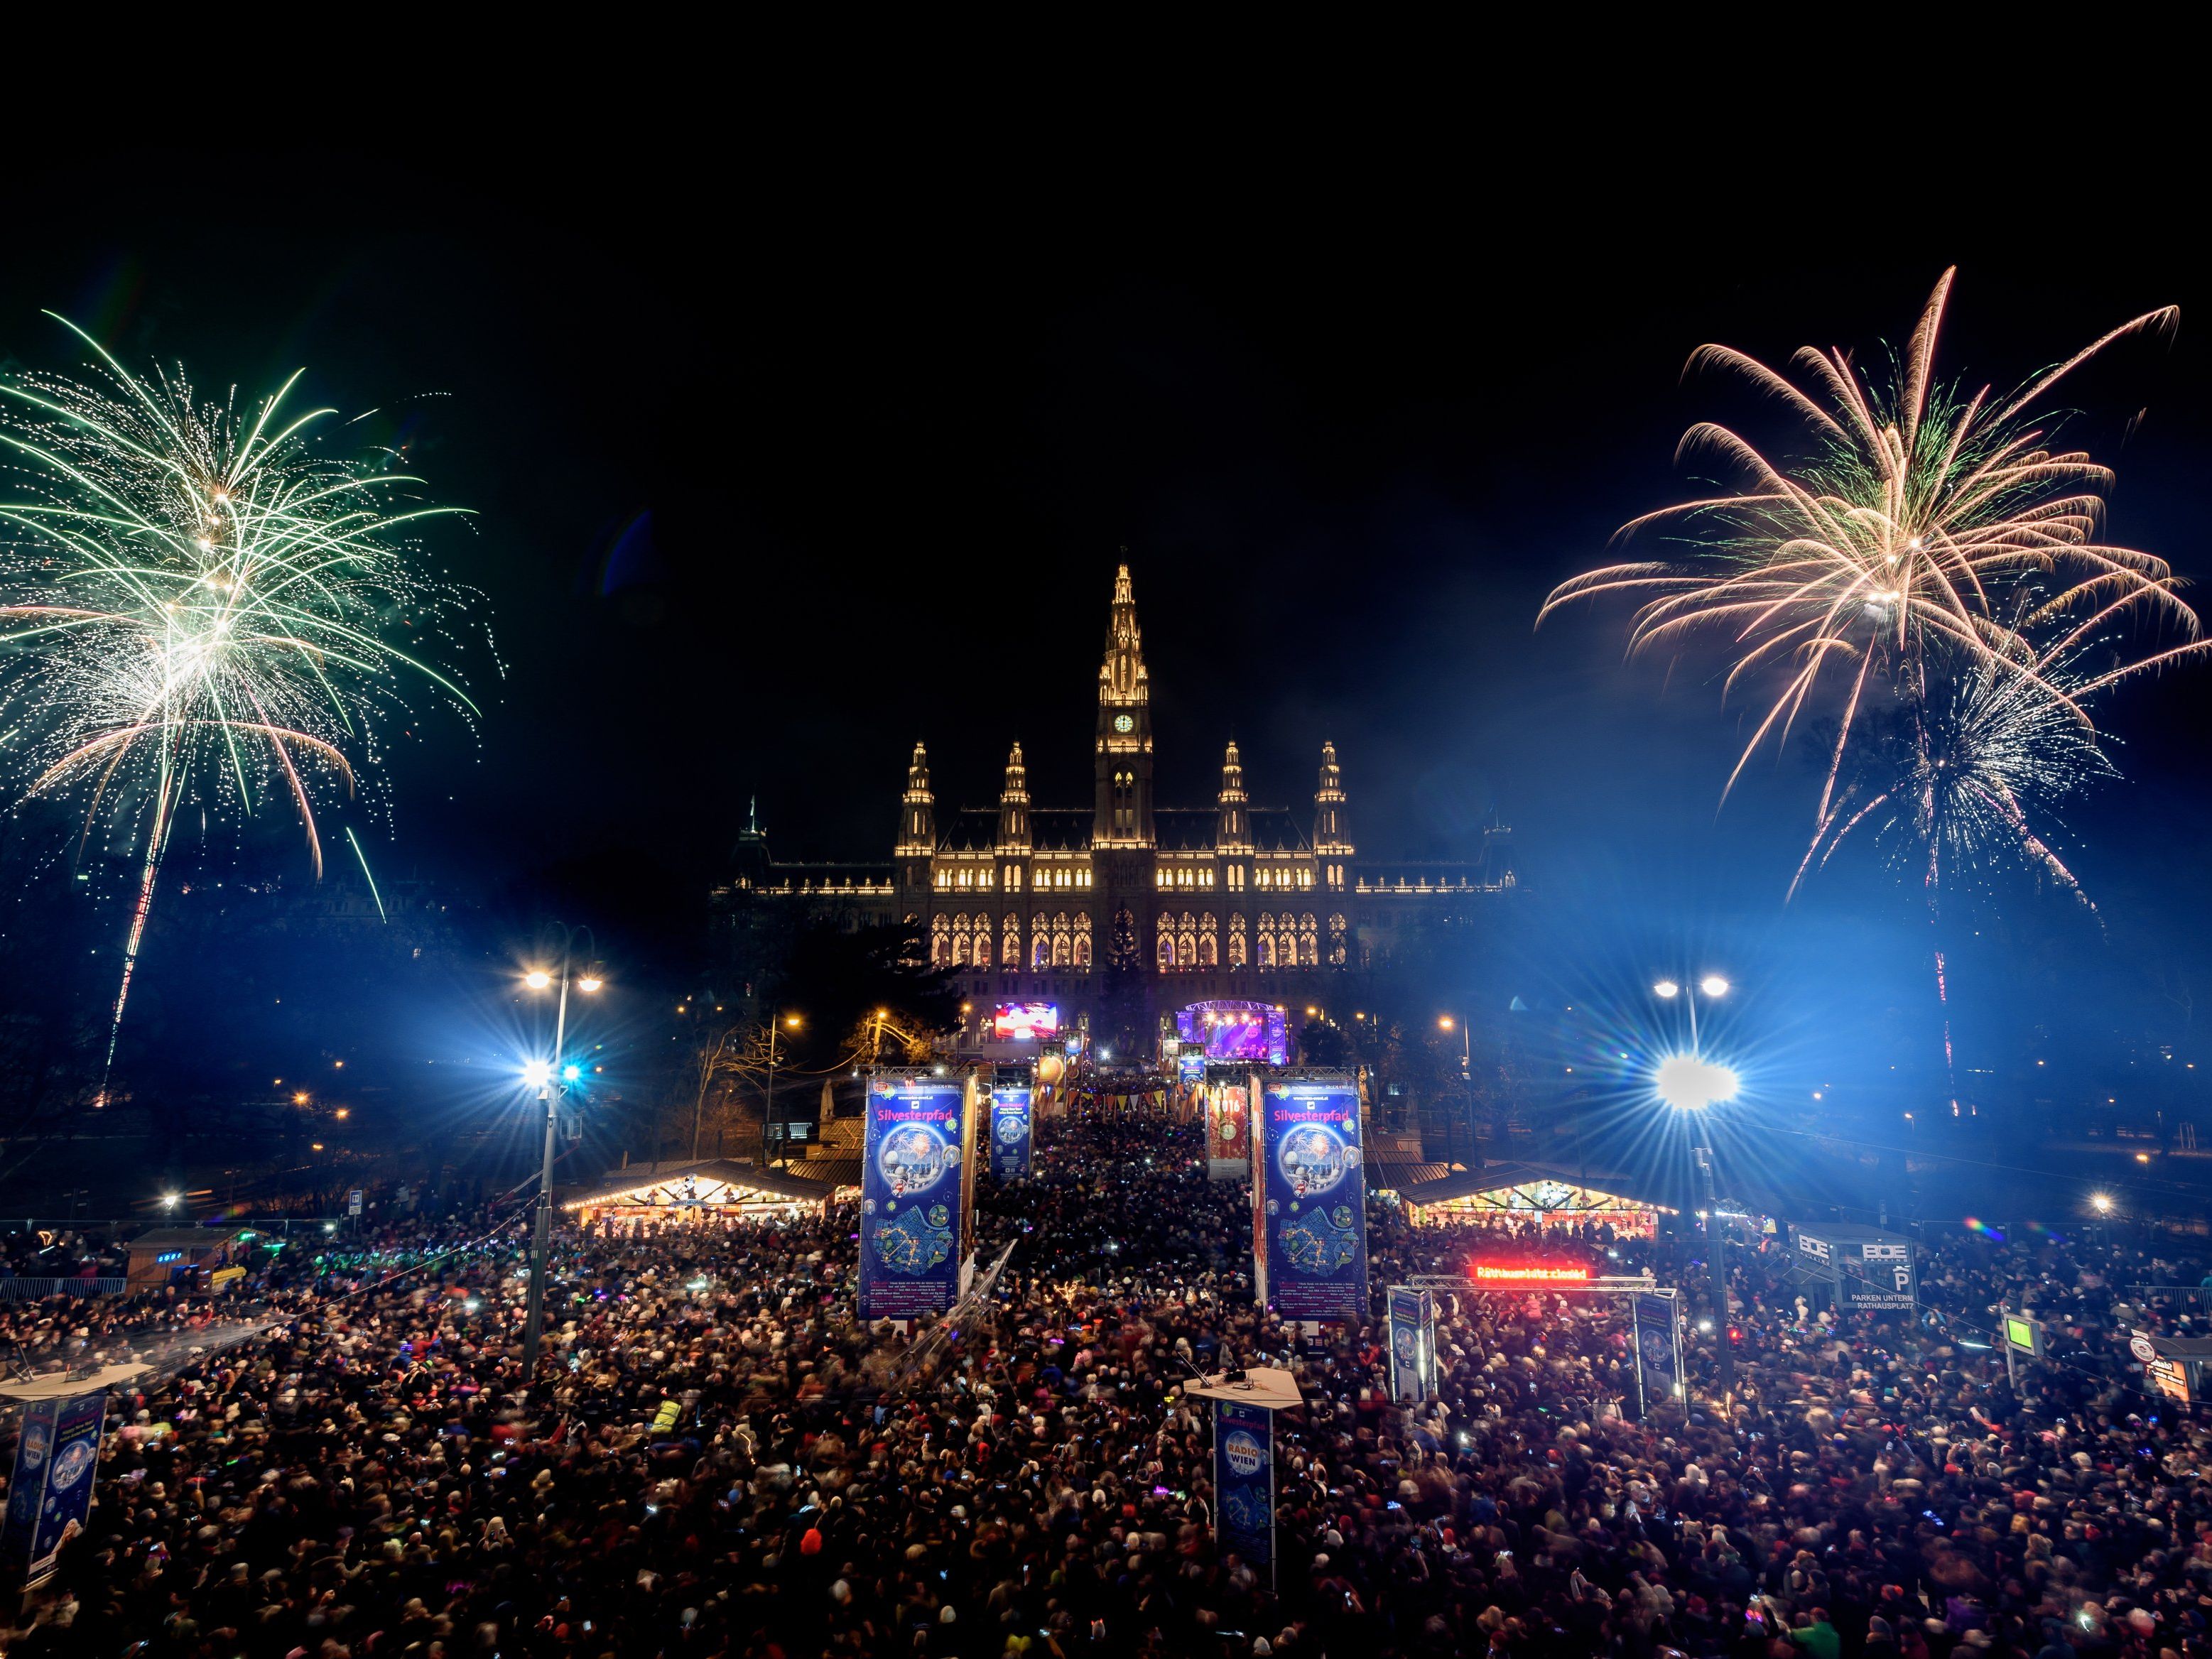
(1925, 526)
(1975, 778)
(198, 606)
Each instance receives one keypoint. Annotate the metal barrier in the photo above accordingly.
(2191, 1295)
(38, 1289)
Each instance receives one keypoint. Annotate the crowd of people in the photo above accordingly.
(715, 1460)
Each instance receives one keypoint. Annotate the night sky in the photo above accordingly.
(775, 479)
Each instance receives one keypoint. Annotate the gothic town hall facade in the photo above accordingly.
(1172, 905)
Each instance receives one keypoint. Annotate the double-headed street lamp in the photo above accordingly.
(1690, 1084)
(550, 1079)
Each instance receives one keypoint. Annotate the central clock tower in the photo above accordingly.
(1123, 816)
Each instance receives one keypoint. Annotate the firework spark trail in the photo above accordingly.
(199, 605)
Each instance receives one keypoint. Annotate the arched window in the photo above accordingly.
(1083, 949)
(940, 941)
(1060, 950)
(1186, 950)
(1267, 949)
(1336, 951)
(960, 949)
(1009, 949)
(1208, 953)
(1236, 951)
(1287, 951)
(983, 941)
(1167, 951)
(1309, 952)
(1040, 950)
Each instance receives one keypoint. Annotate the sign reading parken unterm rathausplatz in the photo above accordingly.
(915, 1159)
(1309, 1192)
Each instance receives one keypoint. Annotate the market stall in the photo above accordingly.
(704, 1191)
(1532, 1195)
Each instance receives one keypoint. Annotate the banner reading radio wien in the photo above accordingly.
(1244, 1480)
(914, 1185)
(1010, 1130)
(1310, 1185)
(51, 1491)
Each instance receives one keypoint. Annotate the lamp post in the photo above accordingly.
(551, 1078)
(1691, 1083)
(1445, 1023)
(777, 1021)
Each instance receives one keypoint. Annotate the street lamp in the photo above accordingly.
(1689, 1083)
(777, 1021)
(550, 1079)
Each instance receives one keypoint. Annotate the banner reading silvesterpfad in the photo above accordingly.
(911, 1194)
(1244, 1479)
(1314, 1188)
(1010, 1130)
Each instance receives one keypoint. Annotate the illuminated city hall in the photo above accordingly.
(1164, 910)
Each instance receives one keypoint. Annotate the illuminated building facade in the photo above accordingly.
(1126, 897)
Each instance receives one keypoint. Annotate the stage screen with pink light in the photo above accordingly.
(1236, 1030)
(1024, 1021)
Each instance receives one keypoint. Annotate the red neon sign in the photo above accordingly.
(1533, 1275)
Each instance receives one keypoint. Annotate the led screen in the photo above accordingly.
(1234, 1031)
(1024, 1021)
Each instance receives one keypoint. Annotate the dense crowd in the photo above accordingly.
(716, 1461)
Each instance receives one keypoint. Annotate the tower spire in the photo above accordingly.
(1329, 838)
(1014, 806)
(1121, 676)
(1123, 814)
(1232, 831)
(918, 809)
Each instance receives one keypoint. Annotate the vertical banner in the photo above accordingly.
(1228, 1131)
(1312, 1181)
(913, 1189)
(1412, 1344)
(1658, 1350)
(1010, 1130)
(1245, 1481)
(56, 1455)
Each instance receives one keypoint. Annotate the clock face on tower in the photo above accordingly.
(1123, 723)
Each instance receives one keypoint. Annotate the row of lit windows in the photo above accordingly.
(1182, 875)
(959, 942)
(1058, 875)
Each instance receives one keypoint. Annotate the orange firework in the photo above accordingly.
(1927, 535)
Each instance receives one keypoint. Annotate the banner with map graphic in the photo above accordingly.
(1311, 1188)
(1244, 1482)
(916, 1147)
(1010, 1130)
(56, 1452)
